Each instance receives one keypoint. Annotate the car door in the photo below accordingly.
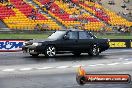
(85, 40)
(70, 44)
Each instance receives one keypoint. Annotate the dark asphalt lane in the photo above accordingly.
(18, 58)
(54, 79)
(22, 71)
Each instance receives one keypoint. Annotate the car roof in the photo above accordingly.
(72, 30)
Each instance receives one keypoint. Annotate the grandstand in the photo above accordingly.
(24, 16)
(57, 14)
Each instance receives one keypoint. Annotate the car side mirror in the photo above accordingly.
(66, 37)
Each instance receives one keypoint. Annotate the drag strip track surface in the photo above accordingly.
(18, 70)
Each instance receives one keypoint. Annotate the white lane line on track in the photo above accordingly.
(44, 68)
(60, 67)
(120, 58)
(76, 66)
(8, 70)
(126, 59)
(128, 62)
(92, 65)
(113, 64)
(100, 64)
(25, 69)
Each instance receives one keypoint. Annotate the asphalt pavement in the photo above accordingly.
(18, 70)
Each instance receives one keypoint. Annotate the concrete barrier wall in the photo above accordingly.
(14, 45)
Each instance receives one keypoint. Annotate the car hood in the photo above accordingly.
(41, 40)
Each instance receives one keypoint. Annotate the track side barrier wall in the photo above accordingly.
(120, 43)
(14, 45)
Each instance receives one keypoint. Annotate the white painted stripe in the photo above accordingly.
(25, 69)
(76, 66)
(92, 65)
(113, 64)
(100, 64)
(120, 58)
(126, 59)
(63, 67)
(8, 70)
(44, 68)
(128, 63)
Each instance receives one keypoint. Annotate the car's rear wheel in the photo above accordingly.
(50, 51)
(76, 53)
(94, 51)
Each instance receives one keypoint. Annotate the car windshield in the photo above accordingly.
(92, 35)
(57, 35)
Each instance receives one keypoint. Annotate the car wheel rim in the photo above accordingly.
(51, 51)
(95, 50)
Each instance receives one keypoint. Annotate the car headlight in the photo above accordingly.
(28, 43)
(37, 44)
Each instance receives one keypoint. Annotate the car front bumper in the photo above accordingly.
(30, 49)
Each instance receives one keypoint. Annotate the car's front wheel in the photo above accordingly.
(94, 51)
(50, 51)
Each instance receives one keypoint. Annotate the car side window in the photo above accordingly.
(72, 35)
(84, 35)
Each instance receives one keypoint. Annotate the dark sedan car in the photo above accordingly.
(67, 41)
